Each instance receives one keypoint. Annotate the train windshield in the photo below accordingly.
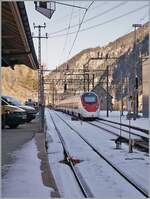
(89, 98)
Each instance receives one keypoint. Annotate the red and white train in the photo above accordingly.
(85, 105)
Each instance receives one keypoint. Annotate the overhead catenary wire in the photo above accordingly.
(79, 28)
(103, 23)
(59, 20)
(65, 43)
(106, 11)
(92, 18)
(66, 4)
(144, 17)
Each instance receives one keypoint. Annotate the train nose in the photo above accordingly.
(90, 108)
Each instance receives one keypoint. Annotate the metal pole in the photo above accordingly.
(88, 82)
(42, 101)
(130, 141)
(93, 81)
(121, 95)
(137, 102)
(129, 115)
(39, 47)
(120, 128)
(135, 107)
(53, 95)
(84, 76)
(134, 75)
(41, 79)
(107, 101)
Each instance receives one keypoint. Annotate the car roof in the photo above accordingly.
(4, 100)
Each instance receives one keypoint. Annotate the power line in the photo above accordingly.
(58, 20)
(66, 4)
(67, 33)
(103, 23)
(106, 11)
(115, 18)
(91, 18)
(80, 27)
(144, 17)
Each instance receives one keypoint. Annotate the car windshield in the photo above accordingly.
(12, 101)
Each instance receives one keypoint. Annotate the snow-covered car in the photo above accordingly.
(12, 116)
(31, 112)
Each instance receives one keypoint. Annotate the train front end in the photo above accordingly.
(90, 105)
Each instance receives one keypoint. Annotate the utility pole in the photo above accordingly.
(122, 90)
(88, 80)
(135, 90)
(40, 77)
(107, 71)
(84, 77)
(107, 100)
(93, 81)
(85, 73)
(53, 95)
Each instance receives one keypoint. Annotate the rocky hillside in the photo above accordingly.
(117, 48)
(20, 82)
(120, 68)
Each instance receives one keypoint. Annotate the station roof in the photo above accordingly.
(17, 43)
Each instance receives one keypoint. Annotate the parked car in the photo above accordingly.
(31, 112)
(12, 116)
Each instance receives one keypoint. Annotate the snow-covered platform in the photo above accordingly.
(28, 173)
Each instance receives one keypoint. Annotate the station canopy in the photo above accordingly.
(17, 43)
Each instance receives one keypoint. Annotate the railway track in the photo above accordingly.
(125, 125)
(118, 170)
(144, 143)
(80, 180)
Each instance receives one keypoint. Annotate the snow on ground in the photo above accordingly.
(99, 176)
(61, 171)
(115, 116)
(120, 131)
(135, 164)
(24, 176)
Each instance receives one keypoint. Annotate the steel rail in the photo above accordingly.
(137, 143)
(122, 129)
(81, 182)
(142, 190)
(133, 127)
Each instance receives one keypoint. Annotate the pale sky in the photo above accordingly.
(102, 24)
